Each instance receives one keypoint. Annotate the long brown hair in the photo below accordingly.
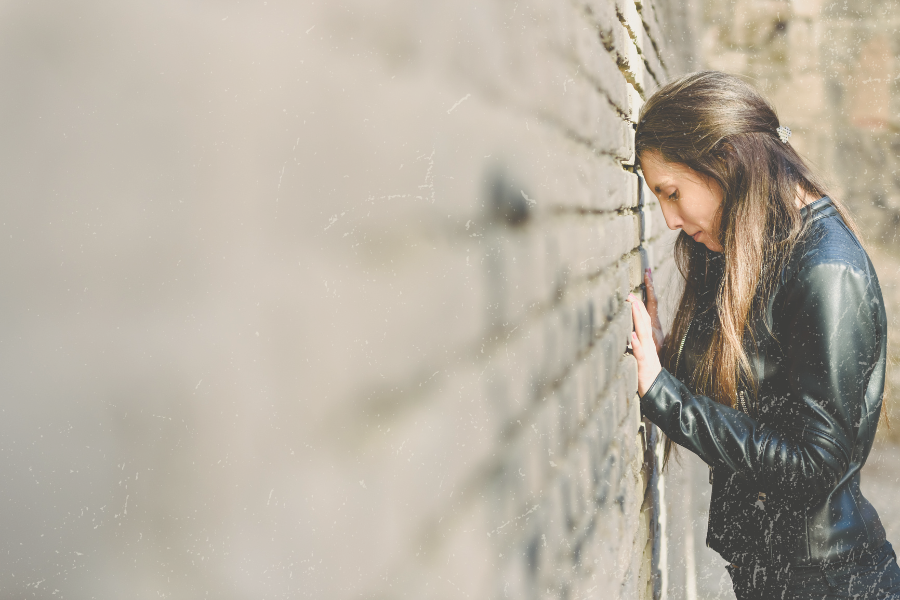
(721, 127)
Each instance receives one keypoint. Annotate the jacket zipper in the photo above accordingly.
(681, 347)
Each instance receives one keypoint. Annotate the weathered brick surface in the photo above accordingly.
(550, 468)
(332, 299)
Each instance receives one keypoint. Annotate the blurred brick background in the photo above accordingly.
(326, 299)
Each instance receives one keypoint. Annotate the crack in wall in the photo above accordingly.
(634, 39)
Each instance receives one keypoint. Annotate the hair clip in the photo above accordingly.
(784, 133)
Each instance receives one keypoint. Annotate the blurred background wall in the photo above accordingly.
(326, 299)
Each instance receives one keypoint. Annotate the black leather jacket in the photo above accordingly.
(786, 470)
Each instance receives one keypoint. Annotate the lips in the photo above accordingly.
(697, 235)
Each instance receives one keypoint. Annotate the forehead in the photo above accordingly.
(660, 173)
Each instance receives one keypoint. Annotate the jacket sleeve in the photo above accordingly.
(829, 335)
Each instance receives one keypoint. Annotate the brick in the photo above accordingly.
(663, 250)
(634, 21)
(618, 41)
(603, 15)
(518, 279)
(498, 377)
(589, 115)
(585, 377)
(567, 415)
(650, 21)
(582, 458)
(547, 89)
(553, 22)
(465, 562)
(598, 65)
(515, 579)
(591, 245)
(548, 422)
(555, 529)
(615, 187)
(670, 287)
(656, 74)
(567, 174)
(658, 227)
(527, 450)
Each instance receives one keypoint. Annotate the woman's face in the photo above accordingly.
(689, 200)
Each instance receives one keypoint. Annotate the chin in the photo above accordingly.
(712, 246)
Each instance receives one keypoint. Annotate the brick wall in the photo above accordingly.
(331, 300)
(497, 448)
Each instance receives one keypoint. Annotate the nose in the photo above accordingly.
(670, 214)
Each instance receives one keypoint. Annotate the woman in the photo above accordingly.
(774, 369)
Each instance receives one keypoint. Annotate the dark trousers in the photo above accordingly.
(874, 577)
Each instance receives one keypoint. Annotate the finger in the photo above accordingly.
(642, 312)
(642, 321)
(637, 349)
(642, 324)
(636, 316)
(652, 306)
(637, 309)
(651, 291)
(644, 333)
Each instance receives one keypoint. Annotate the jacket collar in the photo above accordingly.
(821, 208)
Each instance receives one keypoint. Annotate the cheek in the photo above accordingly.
(710, 212)
(709, 218)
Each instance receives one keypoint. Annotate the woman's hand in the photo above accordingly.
(658, 335)
(643, 345)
